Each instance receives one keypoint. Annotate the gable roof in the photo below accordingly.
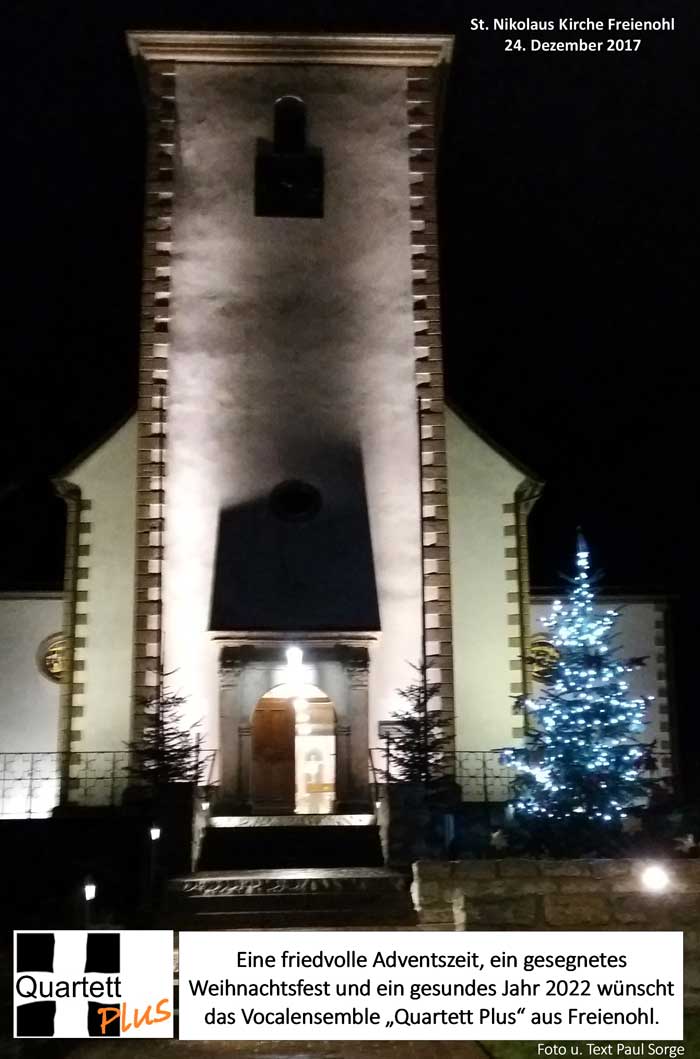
(513, 461)
(73, 465)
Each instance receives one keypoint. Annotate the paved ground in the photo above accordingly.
(283, 874)
(279, 1050)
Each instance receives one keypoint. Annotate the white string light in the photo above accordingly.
(584, 719)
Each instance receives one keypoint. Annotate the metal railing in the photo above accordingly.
(31, 781)
(481, 775)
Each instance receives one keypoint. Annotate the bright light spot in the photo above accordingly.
(90, 890)
(155, 833)
(295, 657)
(294, 676)
(655, 879)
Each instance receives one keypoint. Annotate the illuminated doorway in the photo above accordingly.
(294, 751)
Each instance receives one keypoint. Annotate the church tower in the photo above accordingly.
(293, 516)
(292, 554)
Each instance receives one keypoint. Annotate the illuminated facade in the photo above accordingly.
(292, 479)
(286, 353)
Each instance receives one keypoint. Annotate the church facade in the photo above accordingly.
(293, 517)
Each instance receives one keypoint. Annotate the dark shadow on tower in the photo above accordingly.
(288, 171)
(300, 557)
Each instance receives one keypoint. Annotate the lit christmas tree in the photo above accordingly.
(582, 767)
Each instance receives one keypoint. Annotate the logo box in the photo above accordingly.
(93, 983)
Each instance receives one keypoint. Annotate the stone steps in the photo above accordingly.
(240, 843)
(346, 898)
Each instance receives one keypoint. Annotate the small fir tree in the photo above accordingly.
(420, 734)
(581, 768)
(168, 751)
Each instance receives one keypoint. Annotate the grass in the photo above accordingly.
(528, 1049)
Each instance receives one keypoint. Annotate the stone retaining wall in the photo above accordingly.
(561, 895)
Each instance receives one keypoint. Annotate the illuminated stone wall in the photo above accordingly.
(291, 341)
(583, 894)
(486, 609)
(101, 700)
(29, 701)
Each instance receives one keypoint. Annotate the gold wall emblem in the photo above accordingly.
(52, 657)
(542, 657)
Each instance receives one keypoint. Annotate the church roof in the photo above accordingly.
(531, 476)
(358, 49)
(67, 469)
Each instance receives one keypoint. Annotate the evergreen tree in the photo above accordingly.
(167, 752)
(582, 763)
(420, 734)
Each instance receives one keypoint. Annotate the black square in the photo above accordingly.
(35, 952)
(36, 1019)
(102, 953)
(99, 1009)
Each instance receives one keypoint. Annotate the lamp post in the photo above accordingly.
(89, 893)
(155, 834)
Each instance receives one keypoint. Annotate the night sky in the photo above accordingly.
(569, 218)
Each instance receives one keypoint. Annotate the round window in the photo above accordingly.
(543, 657)
(295, 501)
(52, 657)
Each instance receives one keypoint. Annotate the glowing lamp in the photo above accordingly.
(295, 656)
(155, 833)
(90, 889)
(655, 879)
(294, 676)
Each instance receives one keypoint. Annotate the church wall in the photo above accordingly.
(29, 701)
(291, 345)
(640, 632)
(485, 602)
(104, 620)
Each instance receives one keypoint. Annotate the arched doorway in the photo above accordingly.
(293, 751)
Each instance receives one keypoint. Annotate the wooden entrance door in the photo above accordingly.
(273, 780)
